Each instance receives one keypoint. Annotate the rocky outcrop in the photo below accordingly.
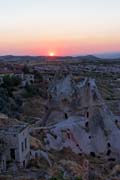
(94, 131)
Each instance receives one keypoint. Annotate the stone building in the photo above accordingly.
(27, 79)
(17, 145)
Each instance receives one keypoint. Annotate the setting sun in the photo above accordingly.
(51, 54)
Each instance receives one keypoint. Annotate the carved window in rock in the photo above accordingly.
(25, 143)
(24, 163)
(66, 116)
(87, 114)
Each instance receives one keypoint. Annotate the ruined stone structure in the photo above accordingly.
(15, 145)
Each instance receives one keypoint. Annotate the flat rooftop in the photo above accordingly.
(13, 128)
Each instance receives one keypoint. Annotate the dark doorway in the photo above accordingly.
(87, 114)
(66, 116)
(12, 154)
(24, 163)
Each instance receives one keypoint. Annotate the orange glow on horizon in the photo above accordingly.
(51, 54)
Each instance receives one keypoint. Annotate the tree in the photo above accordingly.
(11, 81)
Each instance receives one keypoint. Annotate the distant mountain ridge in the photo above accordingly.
(96, 57)
(112, 55)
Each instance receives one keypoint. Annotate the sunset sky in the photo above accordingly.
(64, 27)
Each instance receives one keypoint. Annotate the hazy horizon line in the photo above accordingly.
(99, 55)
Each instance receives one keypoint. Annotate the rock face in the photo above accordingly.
(63, 88)
(61, 93)
(91, 129)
